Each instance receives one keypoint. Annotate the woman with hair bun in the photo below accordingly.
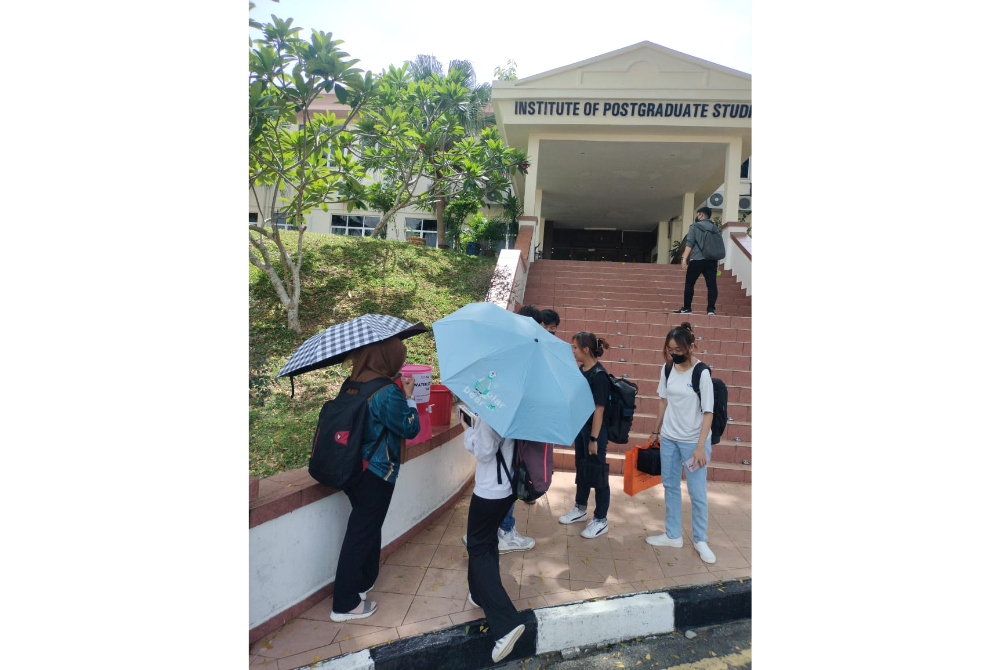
(592, 441)
(685, 437)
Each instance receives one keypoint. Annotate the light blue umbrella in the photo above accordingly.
(518, 376)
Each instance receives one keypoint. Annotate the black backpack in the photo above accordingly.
(620, 411)
(720, 412)
(336, 459)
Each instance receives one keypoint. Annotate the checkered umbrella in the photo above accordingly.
(336, 342)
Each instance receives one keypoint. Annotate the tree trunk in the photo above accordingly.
(293, 318)
(439, 212)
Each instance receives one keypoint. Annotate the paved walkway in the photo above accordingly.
(422, 586)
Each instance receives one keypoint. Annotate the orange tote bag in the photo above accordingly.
(636, 481)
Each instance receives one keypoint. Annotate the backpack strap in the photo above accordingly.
(696, 377)
(500, 462)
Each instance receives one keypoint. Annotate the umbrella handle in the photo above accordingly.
(293, 386)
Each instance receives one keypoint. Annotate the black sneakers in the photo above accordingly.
(682, 311)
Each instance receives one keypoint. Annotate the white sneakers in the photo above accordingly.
(594, 528)
(513, 541)
(574, 515)
(664, 541)
(367, 609)
(507, 542)
(505, 644)
(705, 553)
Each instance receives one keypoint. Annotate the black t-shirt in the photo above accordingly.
(600, 385)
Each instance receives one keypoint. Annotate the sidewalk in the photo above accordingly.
(423, 587)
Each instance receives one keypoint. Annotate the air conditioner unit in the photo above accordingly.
(744, 203)
(715, 200)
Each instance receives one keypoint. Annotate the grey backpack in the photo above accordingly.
(713, 248)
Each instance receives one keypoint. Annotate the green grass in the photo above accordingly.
(342, 278)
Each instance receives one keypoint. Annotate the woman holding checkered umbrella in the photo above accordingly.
(374, 343)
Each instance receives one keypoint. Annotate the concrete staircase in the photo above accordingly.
(629, 305)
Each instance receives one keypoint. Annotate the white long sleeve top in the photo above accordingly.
(484, 442)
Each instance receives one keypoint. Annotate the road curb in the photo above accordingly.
(589, 623)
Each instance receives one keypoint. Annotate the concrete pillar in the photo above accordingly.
(540, 233)
(663, 243)
(687, 215)
(731, 189)
(536, 235)
(531, 179)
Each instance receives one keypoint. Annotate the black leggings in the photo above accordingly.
(357, 568)
(485, 585)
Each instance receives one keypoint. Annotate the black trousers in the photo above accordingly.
(582, 446)
(485, 586)
(695, 269)
(357, 568)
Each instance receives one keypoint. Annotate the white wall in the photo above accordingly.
(295, 555)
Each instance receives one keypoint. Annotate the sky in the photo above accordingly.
(540, 35)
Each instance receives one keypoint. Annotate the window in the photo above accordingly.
(253, 217)
(356, 226)
(425, 228)
(282, 223)
(745, 169)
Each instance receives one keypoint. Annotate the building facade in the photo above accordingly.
(623, 148)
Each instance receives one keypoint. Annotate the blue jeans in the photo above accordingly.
(507, 524)
(672, 458)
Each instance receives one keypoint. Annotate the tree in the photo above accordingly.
(299, 160)
(412, 136)
(508, 73)
(472, 116)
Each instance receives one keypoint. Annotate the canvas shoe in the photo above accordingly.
(705, 553)
(367, 609)
(513, 541)
(594, 528)
(711, 313)
(505, 644)
(663, 541)
(682, 311)
(574, 515)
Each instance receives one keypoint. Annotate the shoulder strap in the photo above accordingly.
(696, 377)
(500, 462)
(666, 371)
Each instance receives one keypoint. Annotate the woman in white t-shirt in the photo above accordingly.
(685, 439)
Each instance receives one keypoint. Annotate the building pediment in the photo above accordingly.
(643, 66)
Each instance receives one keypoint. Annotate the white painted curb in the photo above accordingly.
(359, 660)
(593, 624)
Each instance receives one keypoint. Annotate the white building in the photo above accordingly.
(623, 148)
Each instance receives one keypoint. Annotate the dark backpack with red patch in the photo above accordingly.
(336, 459)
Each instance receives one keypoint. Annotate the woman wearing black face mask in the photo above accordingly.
(685, 435)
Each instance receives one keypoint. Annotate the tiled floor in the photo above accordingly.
(423, 586)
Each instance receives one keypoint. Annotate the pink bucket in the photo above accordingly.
(422, 394)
